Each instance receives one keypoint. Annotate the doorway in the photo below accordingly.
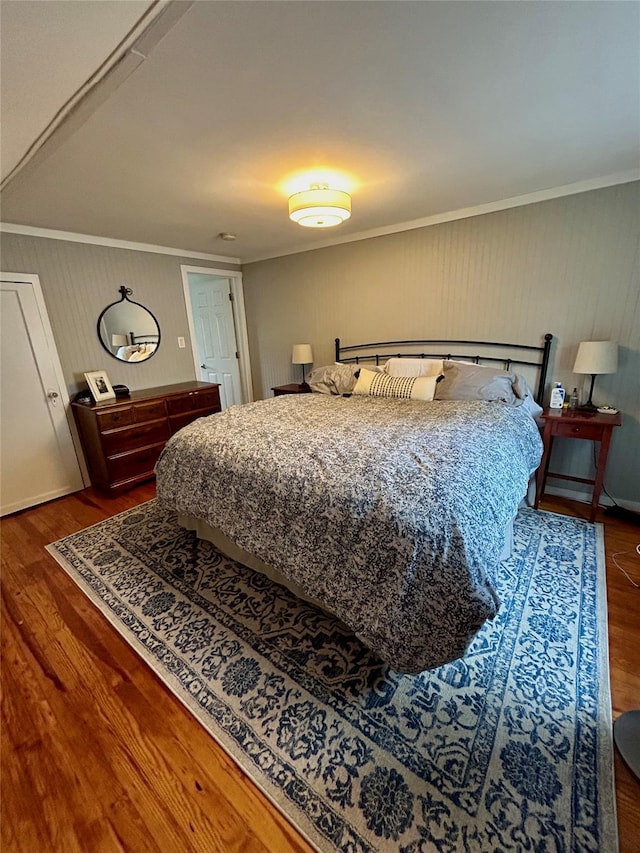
(38, 461)
(215, 309)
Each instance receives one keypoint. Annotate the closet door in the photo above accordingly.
(38, 461)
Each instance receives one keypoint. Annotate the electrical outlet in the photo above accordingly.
(181, 343)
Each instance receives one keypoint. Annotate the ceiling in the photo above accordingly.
(422, 108)
(48, 52)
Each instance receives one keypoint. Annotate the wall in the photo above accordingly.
(79, 280)
(567, 266)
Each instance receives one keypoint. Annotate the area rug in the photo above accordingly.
(507, 749)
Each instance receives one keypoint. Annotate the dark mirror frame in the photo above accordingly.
(125, 292)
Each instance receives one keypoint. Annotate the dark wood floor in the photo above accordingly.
(97, 755)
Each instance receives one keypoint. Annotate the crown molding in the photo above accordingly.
(72, 237)
(466, 212)
(437, 219)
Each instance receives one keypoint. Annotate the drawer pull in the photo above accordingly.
(575, 429)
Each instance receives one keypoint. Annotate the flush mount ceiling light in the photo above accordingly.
(319, 207)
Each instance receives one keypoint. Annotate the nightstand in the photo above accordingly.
(290, 389)
(576, 424)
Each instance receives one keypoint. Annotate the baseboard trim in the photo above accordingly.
(623, 514)
(584, 496)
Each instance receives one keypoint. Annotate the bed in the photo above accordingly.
(389, 511)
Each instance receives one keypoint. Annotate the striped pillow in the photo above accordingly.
(409, 387)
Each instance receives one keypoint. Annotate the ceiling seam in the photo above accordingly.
(72, 106)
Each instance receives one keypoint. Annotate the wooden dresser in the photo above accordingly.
(122, 438)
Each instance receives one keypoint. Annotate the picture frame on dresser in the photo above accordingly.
(99, 385)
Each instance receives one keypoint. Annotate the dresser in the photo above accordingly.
(123, 438)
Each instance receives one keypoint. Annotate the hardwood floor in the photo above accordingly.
(97, 755)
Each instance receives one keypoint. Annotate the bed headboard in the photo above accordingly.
(144, 339)
(503, 354)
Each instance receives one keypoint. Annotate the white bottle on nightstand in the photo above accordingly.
(557, 397)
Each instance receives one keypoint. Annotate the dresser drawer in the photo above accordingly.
(183, 403)
(179, 421)
(149, 411)
(137, 463)
(114, 418)
(209, 399)
(139, 435)
(569, 430)
(205, 398)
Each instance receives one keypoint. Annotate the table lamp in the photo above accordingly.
(596, 357)
(302, 354)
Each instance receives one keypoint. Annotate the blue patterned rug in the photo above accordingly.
(507, 749)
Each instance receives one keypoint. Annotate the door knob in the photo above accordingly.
(53, 395)
(203, 366)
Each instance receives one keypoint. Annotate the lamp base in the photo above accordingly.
(588, 406)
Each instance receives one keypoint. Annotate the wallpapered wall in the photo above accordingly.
(79, 280)
(567, 266)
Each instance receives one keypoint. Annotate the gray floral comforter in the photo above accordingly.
(390, 512)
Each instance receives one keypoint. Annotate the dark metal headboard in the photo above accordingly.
(366, 352)
(144, 339)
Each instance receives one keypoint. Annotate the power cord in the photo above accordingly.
(618, 566)
(619, 553)
(596, 456)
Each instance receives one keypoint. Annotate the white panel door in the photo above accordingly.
(37, 457)
(214, 330)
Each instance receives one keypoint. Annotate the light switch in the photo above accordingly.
(181, 342)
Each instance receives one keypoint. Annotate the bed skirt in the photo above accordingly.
(234, 552)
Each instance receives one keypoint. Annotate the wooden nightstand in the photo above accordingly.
(576, 424)
(290, 389)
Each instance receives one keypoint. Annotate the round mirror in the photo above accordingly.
(127, 330)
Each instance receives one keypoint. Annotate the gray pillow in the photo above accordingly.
(334, 379)
(466, 381)
(525, 396)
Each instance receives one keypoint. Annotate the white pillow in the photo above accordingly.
(409, 387)
(413, 367)
(355, 366)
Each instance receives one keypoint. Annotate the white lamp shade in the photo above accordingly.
(119, 340)
(596, 357)
(320, 207)
(302, 354)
